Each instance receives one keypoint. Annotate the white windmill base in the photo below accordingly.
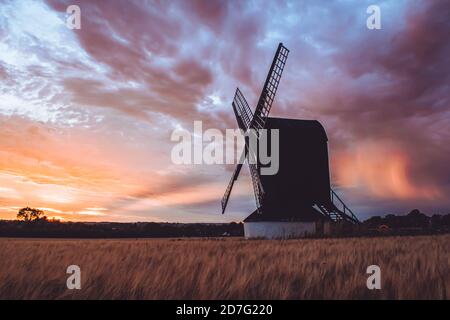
(278, 229)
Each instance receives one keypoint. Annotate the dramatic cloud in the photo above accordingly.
(86, 115)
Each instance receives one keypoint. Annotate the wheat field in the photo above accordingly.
(411, 268)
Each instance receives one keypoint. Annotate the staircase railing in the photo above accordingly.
(346, 209)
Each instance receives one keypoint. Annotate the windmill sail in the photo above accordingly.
(252, 122)
(270, 88)
(244, 117)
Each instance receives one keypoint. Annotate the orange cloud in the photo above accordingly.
(381, 169)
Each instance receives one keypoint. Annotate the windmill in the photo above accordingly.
(298, 200)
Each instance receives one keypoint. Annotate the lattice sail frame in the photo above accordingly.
(251, 123)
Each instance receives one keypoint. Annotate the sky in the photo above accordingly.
(86, 116)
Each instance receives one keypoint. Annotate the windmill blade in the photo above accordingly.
(257, 186)
(226, 196)
(256, 183)
(244, 117)
(270, 88)
(242, 110)
(251, 157)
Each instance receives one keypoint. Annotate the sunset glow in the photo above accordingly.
(383, 172)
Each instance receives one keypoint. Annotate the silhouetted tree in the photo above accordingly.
(31, 214)
(417, 219)
(374, 222)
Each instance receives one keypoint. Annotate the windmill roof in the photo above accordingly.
(310, 127)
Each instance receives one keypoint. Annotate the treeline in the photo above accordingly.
(54, 229)
(415, 222)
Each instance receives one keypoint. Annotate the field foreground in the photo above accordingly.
(411, 268)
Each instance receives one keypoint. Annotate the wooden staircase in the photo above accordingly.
(332, 211)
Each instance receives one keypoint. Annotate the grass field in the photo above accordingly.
(411, 268)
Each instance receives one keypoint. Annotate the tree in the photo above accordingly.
(30, 214)
(417, 219)
(374, 222)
